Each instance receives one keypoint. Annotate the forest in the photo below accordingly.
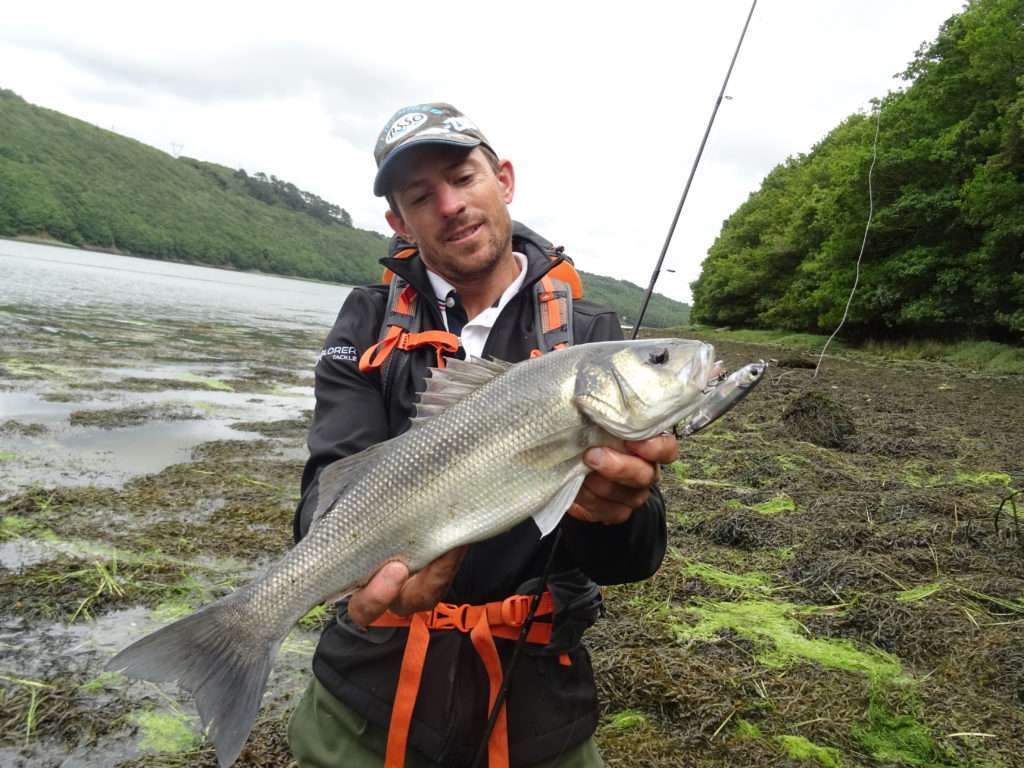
(74, 182)
(944, 255)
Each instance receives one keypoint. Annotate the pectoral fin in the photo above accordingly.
(548, 517)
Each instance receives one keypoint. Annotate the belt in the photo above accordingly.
(502, 618)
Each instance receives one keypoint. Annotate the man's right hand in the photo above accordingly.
(393, 588)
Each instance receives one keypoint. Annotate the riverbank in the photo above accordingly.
(984, 357)
(844, 584)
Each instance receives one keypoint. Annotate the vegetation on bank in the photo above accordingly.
(988, 357)
(945, 253)
(80, 184)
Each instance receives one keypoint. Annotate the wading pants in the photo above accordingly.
(324, 733)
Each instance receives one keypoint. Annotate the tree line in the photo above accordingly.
(86, 186)
(945, 251)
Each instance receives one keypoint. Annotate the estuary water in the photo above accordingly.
(113, 366)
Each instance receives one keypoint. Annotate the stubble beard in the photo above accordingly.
(464, 272)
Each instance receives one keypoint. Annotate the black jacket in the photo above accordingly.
(550, 707)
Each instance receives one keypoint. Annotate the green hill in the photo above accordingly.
(945, 252)
(83, 185)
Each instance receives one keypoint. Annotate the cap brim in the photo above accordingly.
(381, 180)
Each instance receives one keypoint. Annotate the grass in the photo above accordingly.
(781, 338)
(987, 357)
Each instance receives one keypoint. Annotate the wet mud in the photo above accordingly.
(842, 586)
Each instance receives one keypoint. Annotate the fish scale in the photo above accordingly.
(492, 445)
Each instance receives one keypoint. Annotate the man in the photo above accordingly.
(471, 274)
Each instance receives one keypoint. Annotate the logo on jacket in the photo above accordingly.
(339, 354)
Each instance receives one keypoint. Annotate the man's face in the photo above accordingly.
(453, 206)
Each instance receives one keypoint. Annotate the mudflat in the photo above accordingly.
(844, 585)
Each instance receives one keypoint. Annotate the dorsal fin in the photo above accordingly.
(337, 476)
(447, 386)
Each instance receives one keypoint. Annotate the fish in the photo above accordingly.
(491, 444)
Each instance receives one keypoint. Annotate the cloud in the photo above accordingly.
(601, 108)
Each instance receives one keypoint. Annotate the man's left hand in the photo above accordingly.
(621, 480)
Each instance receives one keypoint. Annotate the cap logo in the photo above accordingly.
(461, 124)
(404, 125)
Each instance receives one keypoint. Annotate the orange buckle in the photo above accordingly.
(448, 616)
(515, 609)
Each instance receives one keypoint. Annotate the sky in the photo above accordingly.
(600, 106)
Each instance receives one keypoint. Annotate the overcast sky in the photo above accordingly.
(600, 106)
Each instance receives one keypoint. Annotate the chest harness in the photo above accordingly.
(403, 327)
(402, 332)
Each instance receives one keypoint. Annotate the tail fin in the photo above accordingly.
(217, 655)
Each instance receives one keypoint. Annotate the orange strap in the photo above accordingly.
(375, 356)
(398, 338)
(550, 309)
(566, 272)
(405, 253)
(482, 623)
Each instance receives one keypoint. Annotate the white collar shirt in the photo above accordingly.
(475, 332)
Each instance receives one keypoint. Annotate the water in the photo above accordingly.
(86, 331)
(57, 280)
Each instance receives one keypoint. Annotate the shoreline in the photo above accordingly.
(112, 251)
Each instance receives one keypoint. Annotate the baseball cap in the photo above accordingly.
(421, 124)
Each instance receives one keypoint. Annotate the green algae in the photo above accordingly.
(163, 732)
(781, 503)
(709, 574)
(783, 554)
(8, 455)
(783, 640)
(101, 681)
(20, 368)
(920, 592)
(113, 418)
(12, 527)
(173, 609)
(984, 478)
(788, 463)
(800, 748)
(316, 617)
(627, 719)
(680, 470)
(214, 384)
(916, 474)
(900, 739)
(773, 506)
(24, 429)
(746, 729)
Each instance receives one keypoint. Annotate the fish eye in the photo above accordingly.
(660, 357)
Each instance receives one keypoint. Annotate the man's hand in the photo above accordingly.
(621, 480)
(392, 587)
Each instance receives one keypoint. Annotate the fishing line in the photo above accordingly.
(689, 180)
(860, 256)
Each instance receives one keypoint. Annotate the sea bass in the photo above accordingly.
(491, 445)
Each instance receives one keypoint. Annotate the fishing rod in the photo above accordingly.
(693, 170)
(525, 629)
